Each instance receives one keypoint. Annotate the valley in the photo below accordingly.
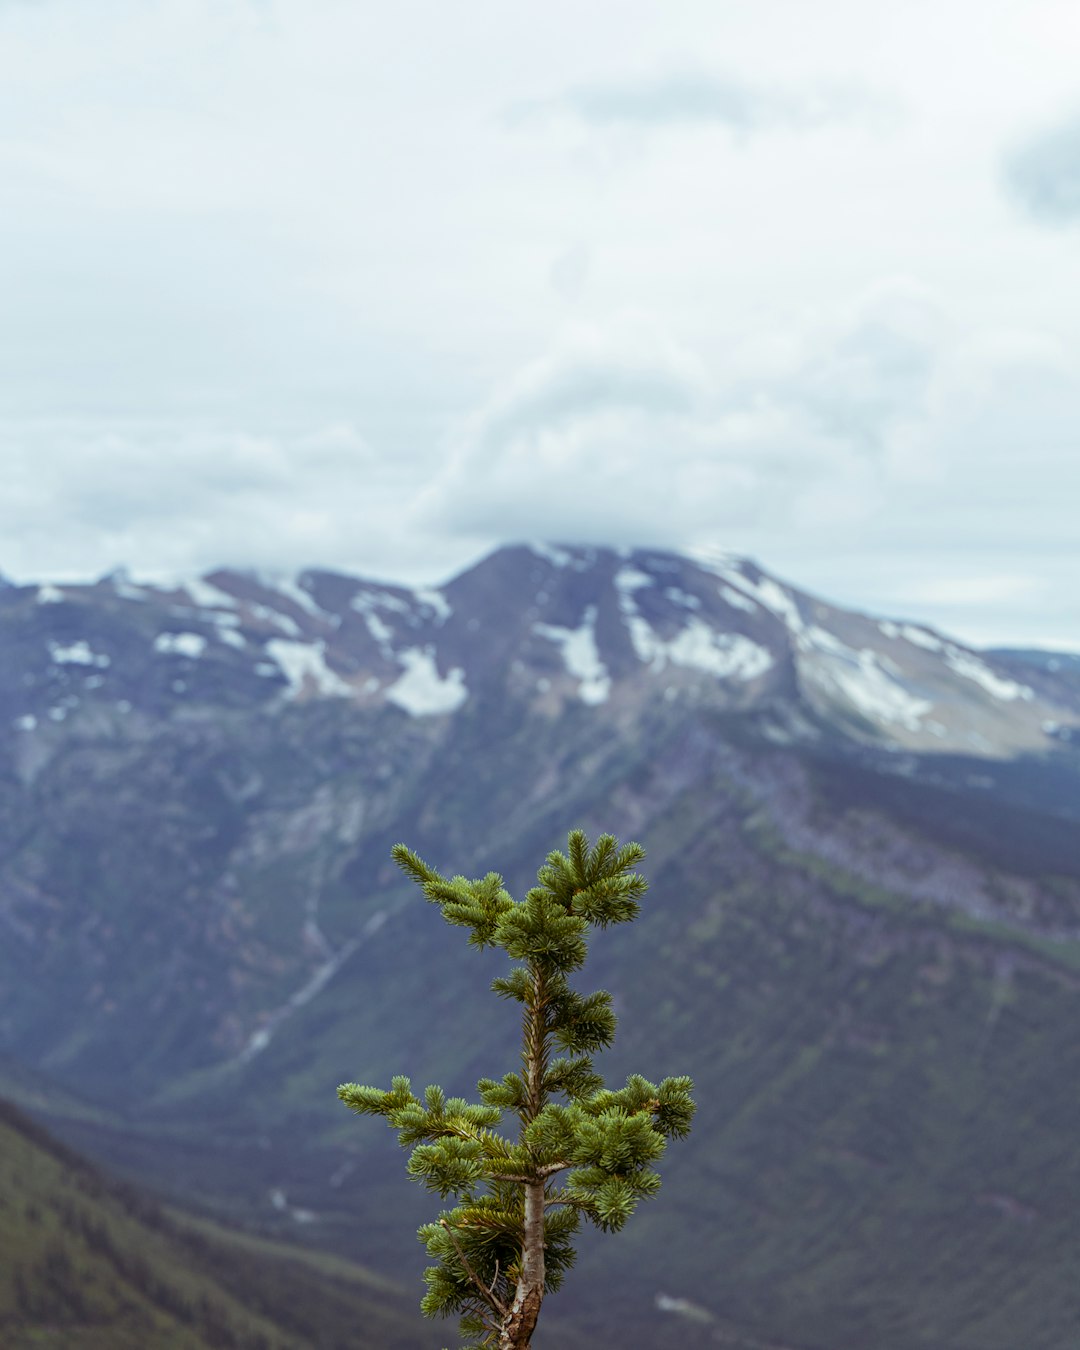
(861, 939)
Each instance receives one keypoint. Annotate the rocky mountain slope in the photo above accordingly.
(861, 937)
(539, 625)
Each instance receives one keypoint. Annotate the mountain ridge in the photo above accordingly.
(551, 623)
(857, 930)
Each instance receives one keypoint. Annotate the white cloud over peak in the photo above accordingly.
(283, 285)
(653, 442)
(890, 428)
(1043, 174)
(702, 98)
(164, 499)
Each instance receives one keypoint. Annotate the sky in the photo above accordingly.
(290, 283)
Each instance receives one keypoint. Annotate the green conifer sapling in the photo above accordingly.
(581, 1151)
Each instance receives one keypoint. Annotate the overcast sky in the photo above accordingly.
(381, 286)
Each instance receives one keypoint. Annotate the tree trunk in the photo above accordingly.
(520, 1322)
(517, 1328)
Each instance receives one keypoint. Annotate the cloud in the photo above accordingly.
(872, 378)
(569, 273)
(883, 455)
(593, 375)
(1044, 174)
(700, 98)
(622, 435)
(165, 499)
(985, 591)
(225, 225)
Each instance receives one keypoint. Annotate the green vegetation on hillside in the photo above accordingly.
(87, 1263)
(887, 1077)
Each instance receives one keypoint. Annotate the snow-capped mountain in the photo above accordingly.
(541, 624)
(862, 935)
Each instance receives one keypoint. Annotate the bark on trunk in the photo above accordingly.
(518, 1325)
(517, 1329)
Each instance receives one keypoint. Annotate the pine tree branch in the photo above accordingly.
(570, 1201)
(454, 1145)
(549, 1169)
(541, 1174)
(488, 1295)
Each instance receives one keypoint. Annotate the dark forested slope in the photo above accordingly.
(90, 1263)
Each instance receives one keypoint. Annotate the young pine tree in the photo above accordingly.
(580, 1151)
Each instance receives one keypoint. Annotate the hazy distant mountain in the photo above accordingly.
(865, 899)
(1065, 665)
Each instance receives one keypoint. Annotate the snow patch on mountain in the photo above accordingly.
(742, 592)
(736, 598)
(204, 595)
(919, 637)
(291, 589)
(773, 597)
(578, 559)
(226, 624)
(435, 600)
(712, 558)
(275, 617)
(180, 644)
(304, 666)
(48, 595)
(683, 598)
(959, 661)
(581, 656)
(971, 668)
(125, 588)
(421, 691)
(379, 631)
(861, 678)
(627, 580)
(558, 557)
(697, 646)
(76, 654)
(368, 602)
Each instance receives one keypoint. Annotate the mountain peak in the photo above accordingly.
(545, 624)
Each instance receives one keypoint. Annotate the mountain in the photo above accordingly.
(538, 625)
(90, 1262)
(862, 936)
